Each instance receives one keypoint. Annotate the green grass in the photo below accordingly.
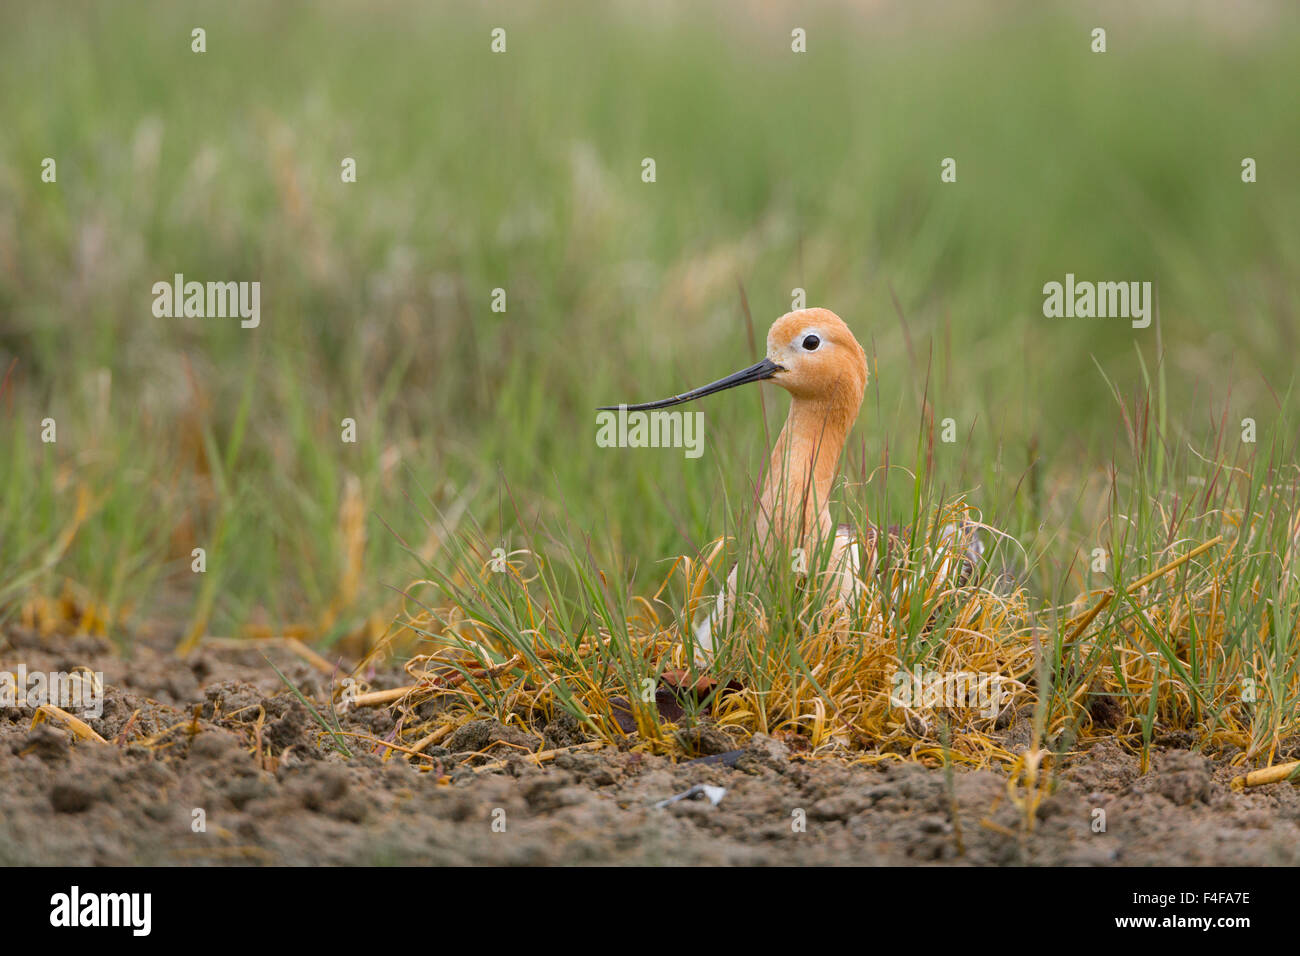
(522, 171)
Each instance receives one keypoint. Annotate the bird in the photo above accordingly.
(813, 355)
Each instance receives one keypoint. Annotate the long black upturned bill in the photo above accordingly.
(755, 373)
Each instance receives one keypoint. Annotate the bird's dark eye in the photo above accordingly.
(811, 342)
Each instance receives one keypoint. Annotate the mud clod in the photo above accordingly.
(1184, 779)
(45, 742)
(705, 739)
(214, 746)
(290, 727)
(72, 797)
(478, 735)
(563, 730)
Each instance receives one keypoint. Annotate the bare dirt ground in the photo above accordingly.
(65, 801)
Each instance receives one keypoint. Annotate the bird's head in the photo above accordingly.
(810, 353)
(817, 357)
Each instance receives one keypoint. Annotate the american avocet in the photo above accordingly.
(812, 354)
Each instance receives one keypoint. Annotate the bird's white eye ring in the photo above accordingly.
(810, 342)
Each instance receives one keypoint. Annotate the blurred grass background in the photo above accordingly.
(523, 171)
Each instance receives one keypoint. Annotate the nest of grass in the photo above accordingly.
(928, 662)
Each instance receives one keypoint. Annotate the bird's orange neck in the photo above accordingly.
(793, 508)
